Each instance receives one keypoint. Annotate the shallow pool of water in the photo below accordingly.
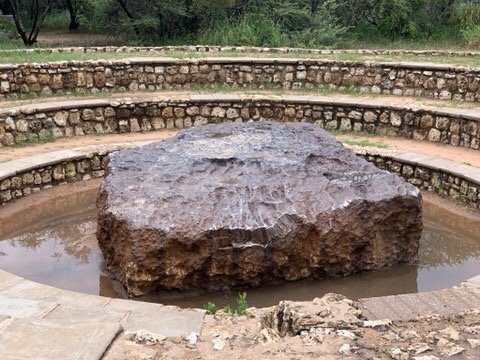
(50, 238)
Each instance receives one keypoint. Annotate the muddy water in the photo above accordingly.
(50, 238)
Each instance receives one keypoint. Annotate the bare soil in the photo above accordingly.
(460, 155)
(65, 38)
(227, 336)
(389, 99)
(10, 153)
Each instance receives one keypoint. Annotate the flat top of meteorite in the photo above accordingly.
(241, 176)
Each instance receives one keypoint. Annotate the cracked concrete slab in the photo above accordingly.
(46, 340)
(24, 308)
(74, 314)
(158, 319)
(31, 290)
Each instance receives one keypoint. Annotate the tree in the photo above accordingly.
(38, 12)
(155, 19)
(5, 7)
(72, 7)
(123, 4)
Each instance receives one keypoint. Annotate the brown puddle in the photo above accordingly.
(50, 238)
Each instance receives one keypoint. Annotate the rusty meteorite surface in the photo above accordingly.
(248, 204)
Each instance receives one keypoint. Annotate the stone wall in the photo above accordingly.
(445, 184)
(428, 80)
(22, 183)
(44, 177)
(41, 123)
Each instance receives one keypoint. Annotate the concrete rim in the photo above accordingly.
(23, 165)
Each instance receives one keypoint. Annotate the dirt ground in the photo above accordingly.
(329, 328)
(461, 155)
(61, 38)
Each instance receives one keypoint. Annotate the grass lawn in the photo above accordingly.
(20, 57)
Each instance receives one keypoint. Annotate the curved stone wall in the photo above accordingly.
(240, 49)
(33, 123)
(22, 177)
(410, 79)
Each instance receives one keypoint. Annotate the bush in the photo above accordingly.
(252, 30)
(56, 20)
(99, 16)
(467, 15)
(276, 23)
(471, 36)
(322, 30)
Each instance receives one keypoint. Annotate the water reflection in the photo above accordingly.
(59, 248)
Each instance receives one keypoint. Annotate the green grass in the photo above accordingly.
(19, 57)
(365, 143)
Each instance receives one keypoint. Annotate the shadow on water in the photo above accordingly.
(50, 238)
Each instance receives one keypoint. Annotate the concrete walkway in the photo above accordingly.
(411, 306)
(43, 322)
(385, 100)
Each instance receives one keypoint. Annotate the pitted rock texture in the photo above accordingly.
(249, 204)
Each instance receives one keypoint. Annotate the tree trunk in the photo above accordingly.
(37, 19)
(123, 4)
(72, 10)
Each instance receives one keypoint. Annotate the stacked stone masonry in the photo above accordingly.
(427, 80)
(92, 165)
(32, 123)
(442, 183)
(44, 177)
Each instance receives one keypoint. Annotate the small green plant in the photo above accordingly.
(211, 308)
(240, 309)
(242, 304)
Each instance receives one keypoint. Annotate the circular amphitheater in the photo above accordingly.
(59, 121)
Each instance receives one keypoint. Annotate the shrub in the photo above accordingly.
(322, 31)
(56, 20)
(467, 15)
(251, 30)
(471, 36)
(99, 15)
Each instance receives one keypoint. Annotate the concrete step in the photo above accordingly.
(53, 340)
(411, 306)
(24, 308)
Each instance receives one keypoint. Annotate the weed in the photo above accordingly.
(211, 308)
(240, 309)
(242, 304)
